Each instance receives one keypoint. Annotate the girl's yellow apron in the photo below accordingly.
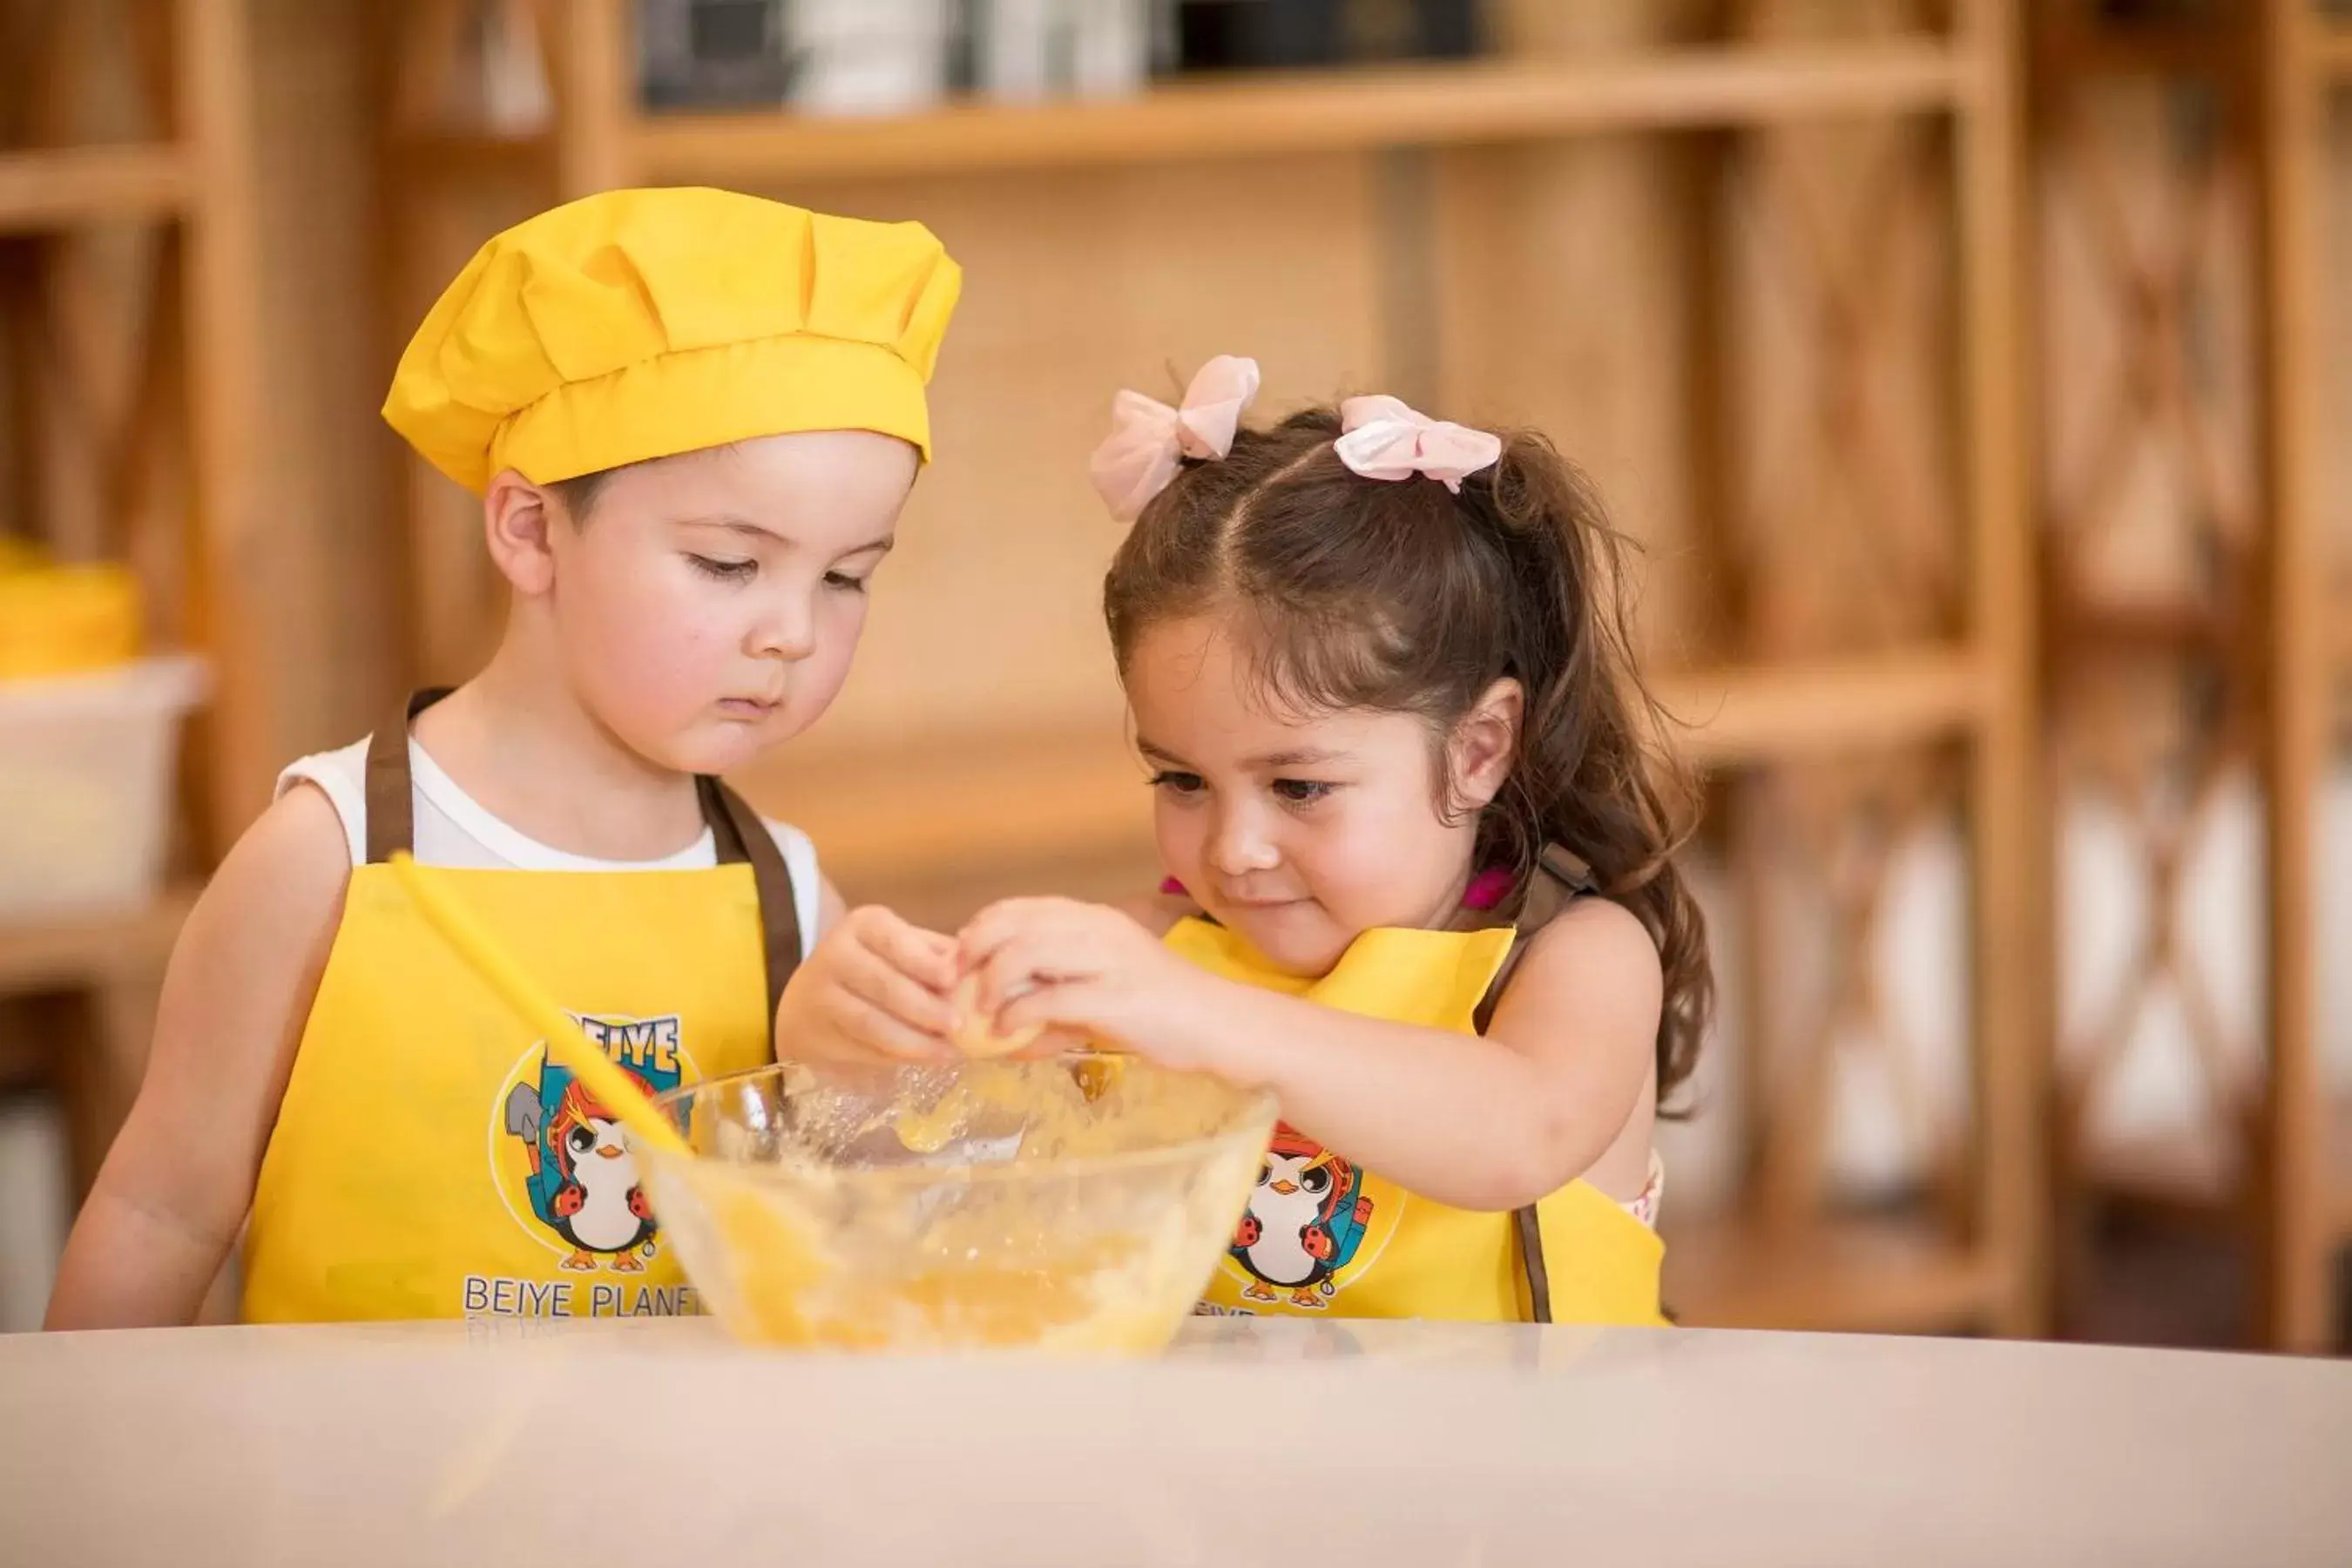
(1322, 1235)
(428, 1160)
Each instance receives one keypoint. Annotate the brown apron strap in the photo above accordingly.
(742, 838)
(1561, 879)
(1531, 1253)
(391, 804)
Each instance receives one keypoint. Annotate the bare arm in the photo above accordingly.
(1560, 1084)
(175, 1187)
(1478, 1122)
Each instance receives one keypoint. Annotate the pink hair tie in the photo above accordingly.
(1149, 441)
(1385, 439)
(1489, 888)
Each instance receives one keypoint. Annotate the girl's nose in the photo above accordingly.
(1241, 845)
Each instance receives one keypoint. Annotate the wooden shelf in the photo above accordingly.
(2189, 1174)
(476, 151)
(1322, 112)
(2080, 627)
(68, 187)
(77, 950)
(956, 809)
(2138, 49)
(1844, 1274)
(1798, 711)
(2335, 53)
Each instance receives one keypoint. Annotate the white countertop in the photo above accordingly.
(1328, 1443)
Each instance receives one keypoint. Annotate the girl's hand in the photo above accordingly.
(1079, 969)
(875, 985)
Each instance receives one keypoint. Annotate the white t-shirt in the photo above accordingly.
(454, 829)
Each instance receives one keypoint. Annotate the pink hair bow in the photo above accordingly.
(1385, 439)
(1149, 440)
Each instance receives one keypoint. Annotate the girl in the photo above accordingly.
(692, 418)
(1380, 668)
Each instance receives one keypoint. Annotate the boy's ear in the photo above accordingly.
(517, 519)
(1485, 744)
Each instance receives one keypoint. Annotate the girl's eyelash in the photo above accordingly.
(1291, 792)
(725, 571)
(844, 583)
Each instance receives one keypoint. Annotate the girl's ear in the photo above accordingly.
(517, 517)
(1485, 744)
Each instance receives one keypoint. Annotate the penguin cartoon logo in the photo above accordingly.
(1305, 1222)
(578, 1179)
(599, 1207)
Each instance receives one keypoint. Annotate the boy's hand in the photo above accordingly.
(875, 985)
(1077, 970)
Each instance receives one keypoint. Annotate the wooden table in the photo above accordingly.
(1327, 1443)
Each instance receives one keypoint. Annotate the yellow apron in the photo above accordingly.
(428, 1160)
(1322, 1235)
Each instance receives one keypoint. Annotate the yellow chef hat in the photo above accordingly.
(636, 324)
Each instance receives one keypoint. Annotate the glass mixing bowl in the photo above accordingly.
(1077, 1203)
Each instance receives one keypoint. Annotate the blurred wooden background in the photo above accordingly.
(1961, 365)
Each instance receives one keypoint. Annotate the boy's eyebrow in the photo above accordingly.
(1153, 754)
(731, 522)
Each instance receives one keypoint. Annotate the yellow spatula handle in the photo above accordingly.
(617, 1091)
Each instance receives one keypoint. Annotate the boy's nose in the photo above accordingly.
(789, 633)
